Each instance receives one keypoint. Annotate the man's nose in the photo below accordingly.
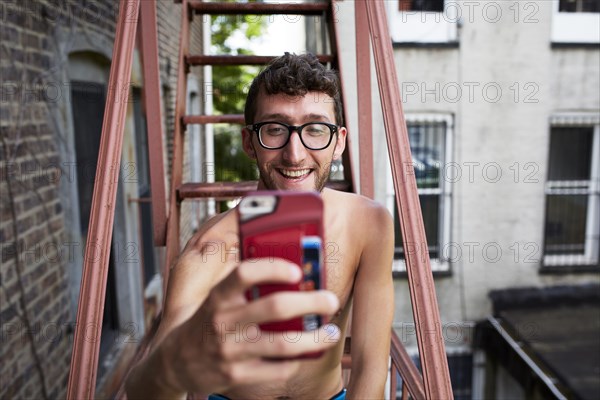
(294, 152)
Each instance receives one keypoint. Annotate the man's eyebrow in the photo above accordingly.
(317, 117)
(275, 116)
(285, 117)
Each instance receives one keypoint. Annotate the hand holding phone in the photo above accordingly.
(285, 225)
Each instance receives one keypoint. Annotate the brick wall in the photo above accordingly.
(34, 308)
(35, 316)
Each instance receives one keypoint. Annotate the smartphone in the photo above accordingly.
(288, 225)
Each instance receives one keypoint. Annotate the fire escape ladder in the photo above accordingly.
(370, 15)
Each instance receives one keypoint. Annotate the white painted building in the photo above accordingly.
(502, 101)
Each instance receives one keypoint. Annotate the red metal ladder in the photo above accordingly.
(435, 382)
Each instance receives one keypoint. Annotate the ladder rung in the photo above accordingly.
(219, 190)
(219, 8)
(228, 190)
(214, 119)
(241, 59)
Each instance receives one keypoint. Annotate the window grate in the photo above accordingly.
(572, 197)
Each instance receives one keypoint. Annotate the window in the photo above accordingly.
(422, 5)
(579, 6)
(144, 190)
(430, 141)
(87, 102)
(576, 21)
(572, 225)
(423, 21)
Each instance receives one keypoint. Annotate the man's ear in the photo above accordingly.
(247, 143)
(340, 143)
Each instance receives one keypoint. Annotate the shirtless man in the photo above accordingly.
(208, 341)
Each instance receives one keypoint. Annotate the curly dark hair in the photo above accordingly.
(295, 75)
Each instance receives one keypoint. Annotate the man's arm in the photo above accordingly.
(197, 348)
(373, 308)
(189, 286)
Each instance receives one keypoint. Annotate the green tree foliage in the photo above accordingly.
(232, 164)
(230, 86)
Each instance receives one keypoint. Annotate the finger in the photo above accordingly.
(282, 306)
(256, 271)
(282, 345)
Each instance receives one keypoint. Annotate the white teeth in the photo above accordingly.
(294, 173)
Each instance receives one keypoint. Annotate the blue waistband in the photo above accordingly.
(340, 396)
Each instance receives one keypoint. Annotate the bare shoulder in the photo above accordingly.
(359, 209)
(210, 249)
(220, 228)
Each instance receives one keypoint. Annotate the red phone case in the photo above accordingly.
(278, 233)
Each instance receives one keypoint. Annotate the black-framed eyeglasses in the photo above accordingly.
(276, 135)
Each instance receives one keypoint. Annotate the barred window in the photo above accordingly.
(572, 197)
(429, 141)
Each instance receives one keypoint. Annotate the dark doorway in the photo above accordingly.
(87, 104)
(142, 174)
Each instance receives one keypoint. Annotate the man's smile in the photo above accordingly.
(294, 173)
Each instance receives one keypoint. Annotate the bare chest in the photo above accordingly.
(341, 257)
